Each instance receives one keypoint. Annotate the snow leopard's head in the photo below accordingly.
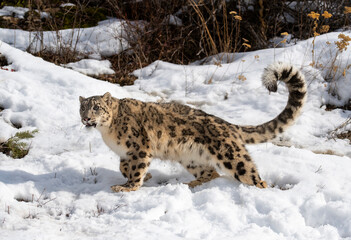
(96, 111)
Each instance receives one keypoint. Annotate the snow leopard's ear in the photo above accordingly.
(107, 98)
(81, 99)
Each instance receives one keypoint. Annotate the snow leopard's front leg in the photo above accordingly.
(125, 169)
(134, 167)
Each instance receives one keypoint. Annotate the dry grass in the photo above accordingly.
(341, 131)
(327, 152)
(345, 135)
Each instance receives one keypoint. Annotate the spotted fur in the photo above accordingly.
(139, 131)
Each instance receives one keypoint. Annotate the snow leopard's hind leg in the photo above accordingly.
(202, 174)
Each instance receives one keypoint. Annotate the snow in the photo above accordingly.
(16, 11)
(174, 20)
(91, 67)
(19, 12)
(61, 189)
(67, 5)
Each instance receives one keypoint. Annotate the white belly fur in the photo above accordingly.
(120, 150)
(185, 153)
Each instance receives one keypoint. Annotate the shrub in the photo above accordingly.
(15, 147)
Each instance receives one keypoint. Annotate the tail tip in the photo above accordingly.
(273, 73)
(272, 87)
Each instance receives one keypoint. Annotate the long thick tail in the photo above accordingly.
(296, 85)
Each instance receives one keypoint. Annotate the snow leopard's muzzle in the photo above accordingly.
(88, 122)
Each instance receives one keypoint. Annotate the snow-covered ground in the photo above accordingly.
(61, 189)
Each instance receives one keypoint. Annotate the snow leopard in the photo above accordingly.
(206, 145)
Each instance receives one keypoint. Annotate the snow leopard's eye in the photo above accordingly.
(82, 108)
(96, 107)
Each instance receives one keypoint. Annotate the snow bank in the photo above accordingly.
(60, 190)
(91, 67)
(106, 39)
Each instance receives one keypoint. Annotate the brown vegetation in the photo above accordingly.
(204, 28)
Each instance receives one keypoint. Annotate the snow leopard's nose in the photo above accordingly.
(86, 119)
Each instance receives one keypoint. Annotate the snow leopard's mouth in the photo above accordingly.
(89, 125)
